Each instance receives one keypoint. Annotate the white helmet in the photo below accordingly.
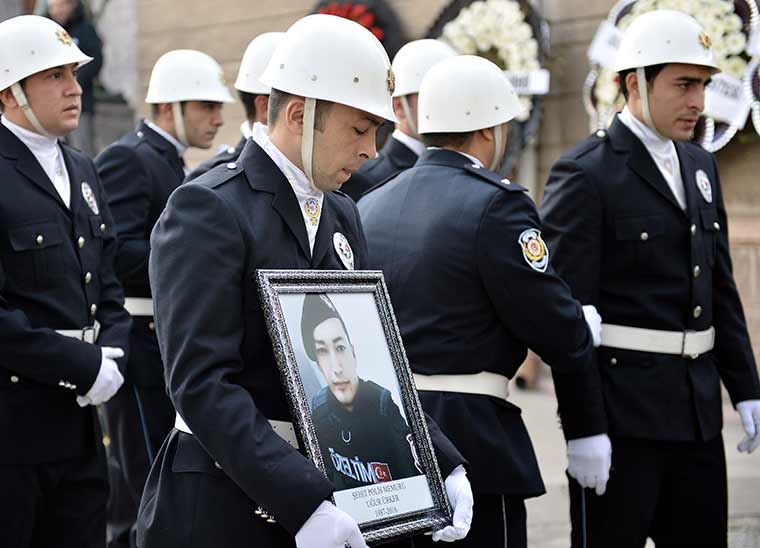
(186, 75)
(662, 37)
(466, 93)
(255, 60)
(413, 61)
(30, 44)
(333, 59)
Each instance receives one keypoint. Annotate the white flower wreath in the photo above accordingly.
(719, 19)
(496, 30)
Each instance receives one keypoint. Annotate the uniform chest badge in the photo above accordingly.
(704, 186)
(311, 208)
(89, 197)
(343, 248)
(534, 249)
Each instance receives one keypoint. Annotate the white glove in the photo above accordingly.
(589, 460)
(749, 411)
(594, 321)
(108, 381)
(329, 527)
(460, 496)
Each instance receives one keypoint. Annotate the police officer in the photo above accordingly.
(404, 145)
(636, 221)
(63, 327)
(273, 208)
(362, 435)
(139, 172)
(473, 287)
(254, 95)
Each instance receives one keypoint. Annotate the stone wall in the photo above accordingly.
(224, 32)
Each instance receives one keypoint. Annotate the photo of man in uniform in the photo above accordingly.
(362, 435)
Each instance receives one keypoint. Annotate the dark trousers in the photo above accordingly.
(673, 492)
(61, 504)
(497, 522)
(138, 420)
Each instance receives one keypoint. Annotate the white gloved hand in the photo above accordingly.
(594, 321)
(459, 492)
(329, 527)
(589, 460)
(749, 411)
(108, 381)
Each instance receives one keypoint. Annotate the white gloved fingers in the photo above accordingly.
(355, 538)
(748, 422)
(111, 352)
(450, 533)
(83, 401)
(748, 445)
(601, 486)
(594, 322)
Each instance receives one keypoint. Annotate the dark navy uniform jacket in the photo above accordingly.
(139, 172)
(445, 233)
(393, 158)
(46, 254)
(230, 154)
(369, 444)
(213, 236)
(601, 197)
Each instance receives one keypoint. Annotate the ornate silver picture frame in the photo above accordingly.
(356, 411)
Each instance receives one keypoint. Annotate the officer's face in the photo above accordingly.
(677, 98)
(346, 139)
(202, 120)
(336, 360)
(55, 97)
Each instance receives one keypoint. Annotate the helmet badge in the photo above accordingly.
(391, 80)
(64, 37)
(704, 40)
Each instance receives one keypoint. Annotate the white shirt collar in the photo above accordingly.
(649, 138)
(470, 157)
(415, 145)
(302, 187)
(168, 136)
(33, 141)
(246, 129)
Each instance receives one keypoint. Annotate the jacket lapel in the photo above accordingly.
(324, 240)
(688, 175)
(164, 147)
(27, 164)
(74, 182)
(264, 175)
(640, 161)
(400, 155)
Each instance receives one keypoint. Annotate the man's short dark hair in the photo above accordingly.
(279, 99)
(249, 103)
(456, 140)
(650, 74)
(155, 108)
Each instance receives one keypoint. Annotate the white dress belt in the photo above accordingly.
(282, 428)
(87, 334)
(680, 343)
(139, 306)
(484, 383)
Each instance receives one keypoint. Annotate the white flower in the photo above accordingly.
(733, 22)
(526, 105)
(735, 42)
(735, 67)
(522, 32)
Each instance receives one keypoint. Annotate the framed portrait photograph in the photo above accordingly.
(356, 412)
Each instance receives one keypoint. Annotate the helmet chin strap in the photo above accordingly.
(641, 81)
(409, 118)
(26, 108)
(307, 139)
(497, 144)
(179, 123)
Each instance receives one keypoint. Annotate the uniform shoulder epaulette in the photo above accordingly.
(587, 145)
(219, 174)
(494, 178)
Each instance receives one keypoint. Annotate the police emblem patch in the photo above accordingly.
(343, 248)
(704, 186)
(534, 249)
(311, 208)
(89, 197)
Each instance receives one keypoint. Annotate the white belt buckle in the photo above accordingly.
(685, 342)
(89, 334)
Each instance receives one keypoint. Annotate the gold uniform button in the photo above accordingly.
(644, 236)
(231, 165)
(693, 229)
(151, 326)
(80, 242)
(231, 150)
(601, 134)
(697, 311)
(40, 239)
(103, 227)
(697, 271)
(716, 226)
(93, 309)
(87, 278)
(14, 378)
